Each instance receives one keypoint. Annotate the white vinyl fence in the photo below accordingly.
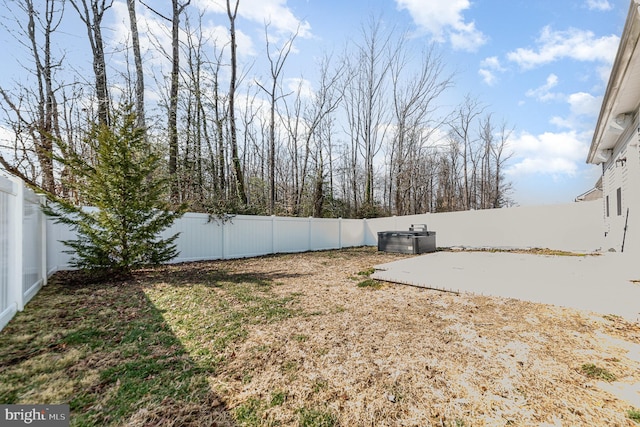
(572, 227)
(22, 247)
(240, 236)
(31, 248)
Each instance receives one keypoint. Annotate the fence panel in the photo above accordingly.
(7, 307)
(291, 234)
(33, 242)
(325, 233)
(57, 257)
(378, 224)
(352, 232)
(247, 236)
(22, 243)
(200, 239)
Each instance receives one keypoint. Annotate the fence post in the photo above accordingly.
(224, 239)
(340, 233)
(273, 234)
(43, 244)
(16, 235)
(364, 232)
(309, 234)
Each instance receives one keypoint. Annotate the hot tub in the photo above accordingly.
(417, 240)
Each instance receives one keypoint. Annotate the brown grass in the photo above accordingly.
(410, 356)
(360, 356)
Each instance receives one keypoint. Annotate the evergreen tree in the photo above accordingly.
(128, 199)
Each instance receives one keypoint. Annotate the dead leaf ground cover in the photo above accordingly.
(293, 340)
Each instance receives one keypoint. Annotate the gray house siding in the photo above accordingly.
(615, 142)
(620, 187)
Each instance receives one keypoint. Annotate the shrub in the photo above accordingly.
(121, 181)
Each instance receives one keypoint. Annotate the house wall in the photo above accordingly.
(620, 180)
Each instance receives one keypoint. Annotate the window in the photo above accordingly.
(619, 200)
(607, 206)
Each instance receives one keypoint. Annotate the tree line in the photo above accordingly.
(370, 138)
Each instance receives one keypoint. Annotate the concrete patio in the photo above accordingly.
(602, 284)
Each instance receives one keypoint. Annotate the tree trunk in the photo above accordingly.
(47, 128)
(172, 119)
(318, 193)
(172, 113)
(135, 41)
(93, 21)
(237, 166)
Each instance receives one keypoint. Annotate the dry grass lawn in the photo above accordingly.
(292, 340)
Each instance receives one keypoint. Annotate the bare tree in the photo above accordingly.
(221, 113)
(172, 120)
(177, 9)
(232, 13)
(41, 121)
(326, 100)
(414, 106)
(480, 153)
(276, 66)
(196, 123)
(365, 101)
(278, 151)
(137, 57)
(461, 126)
(303, 122)
(293, 121)
(91, 14)
(501, 155)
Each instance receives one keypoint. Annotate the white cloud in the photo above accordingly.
(274, 12)
(444, 20)
(435, 138)
(562, 122)
(543, 93)
(488, 69)
(549, 153)
(584, 104)
(219, 36)
(575, 44)
(467, 37)
(599, 5)
(488, 76)
(493, 63)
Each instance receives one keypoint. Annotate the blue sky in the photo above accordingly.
(541, 66)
